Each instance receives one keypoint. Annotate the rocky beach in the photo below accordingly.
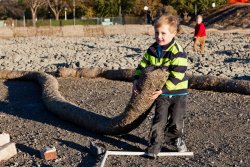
(217, 124)
(227, 54)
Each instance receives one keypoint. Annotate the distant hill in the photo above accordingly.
(228, 16)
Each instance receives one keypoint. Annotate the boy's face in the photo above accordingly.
(163, 36)
(199, 20)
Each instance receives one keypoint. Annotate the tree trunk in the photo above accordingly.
(57, 16)
(33, 12)
(153, 78)
(195, 82)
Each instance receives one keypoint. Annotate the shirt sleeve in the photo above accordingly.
(143, 64)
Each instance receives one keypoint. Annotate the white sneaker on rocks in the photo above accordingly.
(150, 155)
(180, 144)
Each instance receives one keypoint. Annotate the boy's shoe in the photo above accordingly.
(180, 144)
(150, 155)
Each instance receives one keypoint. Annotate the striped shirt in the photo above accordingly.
(174, 59)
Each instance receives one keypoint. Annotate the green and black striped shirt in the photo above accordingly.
(174, 59)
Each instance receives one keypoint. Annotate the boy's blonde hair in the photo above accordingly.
(170, 20)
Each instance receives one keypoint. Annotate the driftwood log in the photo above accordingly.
(206, 82)
(153, 78)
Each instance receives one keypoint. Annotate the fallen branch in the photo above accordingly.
(219, 84)
(122, 74)
(153, 78)
(206, 82)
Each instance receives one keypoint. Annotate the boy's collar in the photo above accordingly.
(164, 47)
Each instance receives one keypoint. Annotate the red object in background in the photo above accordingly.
(200, 30)
(237, 1)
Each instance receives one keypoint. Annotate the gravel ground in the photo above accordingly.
(217, 126)
(227, 54)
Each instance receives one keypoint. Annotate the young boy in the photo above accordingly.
(171, 100)
(199, 34)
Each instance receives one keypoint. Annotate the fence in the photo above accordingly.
(90, 21)
(110, 21)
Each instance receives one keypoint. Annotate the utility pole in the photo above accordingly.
(50, 23)
(65, 13)
(120, 12)
(24, 22)
(120, 8)
(195, 9)
(74, 11)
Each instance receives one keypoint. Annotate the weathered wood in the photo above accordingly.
(121, 74)
(153, 78)
(135, 112)
(204, 82)
(219, 84)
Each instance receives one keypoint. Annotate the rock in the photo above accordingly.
(78, 64)
(246, 46)
(4, 139)
(7, 151)
(49, 153)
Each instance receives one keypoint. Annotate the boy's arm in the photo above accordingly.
(196, 30)
(177, 69)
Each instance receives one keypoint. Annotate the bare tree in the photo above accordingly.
(34, 5)
(12, 7)
(57, 6)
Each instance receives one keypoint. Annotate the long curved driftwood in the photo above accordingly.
(153, 78)
(195, 82)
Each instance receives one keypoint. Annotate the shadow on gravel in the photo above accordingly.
(132, 55)
(243, 78)
(32, 152)
(61, 65)
(137, 50)
(134, 139)
(24, 101)
(232, 60)
(87, 160)
(45, 165)
(29, 150)
(226, 52)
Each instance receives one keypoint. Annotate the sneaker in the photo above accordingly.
(180, 144)
(150, 155)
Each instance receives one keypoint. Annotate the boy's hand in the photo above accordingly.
(135, 84)
(155, 94)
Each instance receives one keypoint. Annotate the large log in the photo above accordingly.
(205, 82)
(121, 74)
(219, 84)
(153, 78)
